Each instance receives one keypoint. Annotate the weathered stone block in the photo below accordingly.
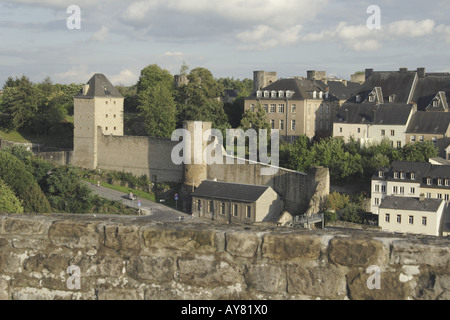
(122, 238)
(414, 253)
(53, 263)
(266, 278)
(4, 290)
(391, 288)
(101, 266)
(24, 226)
(242, 244)
(291, 246)
(74, 234)
(316, 281)
(200, 241)
(356, 252)
(208, 272)
(155, 269)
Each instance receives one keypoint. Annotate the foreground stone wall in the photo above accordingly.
(133, 258)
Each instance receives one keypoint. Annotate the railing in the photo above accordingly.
(305, 219)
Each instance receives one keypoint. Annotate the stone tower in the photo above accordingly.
(98, 109)
(196, 171)
(262, 79)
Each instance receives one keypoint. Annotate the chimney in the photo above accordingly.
(403, 70)
(85, 89)
(421, 72)
(310, 74)
(422, 197)
(369, 72)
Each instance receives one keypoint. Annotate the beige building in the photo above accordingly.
(412, 215)
(99, 108)
(233, 202)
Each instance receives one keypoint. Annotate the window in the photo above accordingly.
(413, 138)
(258, 94)
(359, 130)
(424, 221)
(371, 98)
(327, 109)
(115, 128)
(273, 94)
(199, 205)
(396, 175)
(281, 108)
(340, 130)
(235, 210)
(412, 190)
(252, 107)
(413, 176)
(114, 115)
(439, 182)
(106, 102)
(106, 116)
(106, 128)
(211, 206)
(394, 190)
(421, 138)
(383, 132)
(446, 197)
(399, 144)
(402, 190)
(383, 189)
(293, 108)
(392, 133)
(434, 140)
(429, 181)
(281, 94)
(266, 108)
(222, 208)
(447, 182)
(428, 195)
(293, 125)
(272, 124)
(273, 108)
(411, 219)
(399, 218)
(387, 218)
(402, 175)
(377, 202)
(377, 188)
(248, 213)
(281, 124)
(266, 94)
(380, 174)
(439, 196)
(435, 103)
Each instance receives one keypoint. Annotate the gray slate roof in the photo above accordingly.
(427, 88)
(100, 87)
(227, 191)
(301, 87)
(387, 114)
(429, 122)
(410, 204)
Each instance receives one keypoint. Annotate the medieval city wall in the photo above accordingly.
(114, 257)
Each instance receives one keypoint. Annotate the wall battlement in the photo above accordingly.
(134, 258)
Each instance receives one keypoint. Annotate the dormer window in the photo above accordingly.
(358, 98)
(392, 98)
(380, 174)
(371, 98)
(402, 175)
(396, 175)
(314, 94)
(281, 94)
(436, 103)
(266, 94)
(413, 176)
(429, 181)
(447, 182)
(273, 94)
(440, 182)
(289, 94)
(258, 94)
(320, 94)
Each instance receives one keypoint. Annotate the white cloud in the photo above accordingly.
(101, 34)
(125, 77)
(411, 28)
(264, 37)
(173, 54)
(76, 74)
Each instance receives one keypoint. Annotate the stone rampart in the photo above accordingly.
(134, 258)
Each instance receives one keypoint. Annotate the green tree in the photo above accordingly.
(256, 120)
(419, 151)
(9, 203)
(352, 213)
(337, 201)
(300, 157)
(14, 173)
(199, 100)
(156, 103)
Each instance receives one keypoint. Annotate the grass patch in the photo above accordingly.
(13, 136)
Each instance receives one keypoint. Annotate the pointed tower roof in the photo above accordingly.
(98, 87)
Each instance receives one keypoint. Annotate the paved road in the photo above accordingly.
(150, 209)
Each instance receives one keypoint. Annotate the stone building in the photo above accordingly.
(233, 202)
(99, 143)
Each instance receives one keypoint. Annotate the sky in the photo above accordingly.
(231, 38)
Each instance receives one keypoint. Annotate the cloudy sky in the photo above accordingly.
(232, 38)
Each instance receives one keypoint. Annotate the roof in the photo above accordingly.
(386, 114)
(411, 204)
(428, 87)
(437, 172)
(302, 88)
(420, 170)
(99, 86)
(396, 83)
(227, 191)
(342, 91)
(429, 122)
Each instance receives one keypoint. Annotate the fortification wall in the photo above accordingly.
(297, 189)
(139, 155)
(130, 258)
